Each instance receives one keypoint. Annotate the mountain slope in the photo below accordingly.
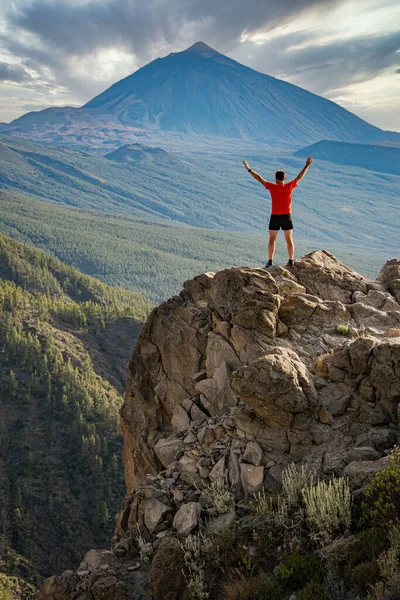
(383, 159)
(64, 344)
(200, 91)
(207, 189)
(155, 257)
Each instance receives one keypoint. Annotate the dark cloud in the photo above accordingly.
(81, 28)
(325, 67)
(15, 73)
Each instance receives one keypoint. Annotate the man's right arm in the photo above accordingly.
(256, 176)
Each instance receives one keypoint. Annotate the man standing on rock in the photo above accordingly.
(281, 215)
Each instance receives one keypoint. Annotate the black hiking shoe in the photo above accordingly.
(290, 263)
(269, 264)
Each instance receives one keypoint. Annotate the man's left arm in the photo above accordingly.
(304, 171)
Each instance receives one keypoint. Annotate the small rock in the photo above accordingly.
(392, 332)
(187, 518)
(251, 478)
(210, 408)
(199, 376)
(180, 418)
(190, 438)
(253, 453)
(203, 472)
(166, 449)
(325, 417)
(218, 471)
(197, 415)
(206, 436)
(178, 495)
(154, 512)
(363, 453)
(361, 472)
(340, 406)
(82, 573)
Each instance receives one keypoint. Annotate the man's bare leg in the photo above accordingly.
(273, 234)
(289, 243)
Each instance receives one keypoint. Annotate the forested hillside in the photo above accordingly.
(65, 339)
(153, 258)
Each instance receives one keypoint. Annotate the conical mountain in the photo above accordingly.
(200, 91)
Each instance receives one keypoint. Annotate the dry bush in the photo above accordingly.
(294, 480)
(322, 364)
(237, 587)
(219, 495)
(328, 506)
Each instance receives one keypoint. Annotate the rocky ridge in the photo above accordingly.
(244, 372)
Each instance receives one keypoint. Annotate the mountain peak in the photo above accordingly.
(202, 49)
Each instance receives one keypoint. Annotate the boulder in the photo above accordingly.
(187, 518)
(323, 275)
(361, 472)
(253, 453)
(251, 477)
(154, 513)
(180, 419)
(218, 470)
(167, 449)
(276, 386)
(53, 589)
(165, 579)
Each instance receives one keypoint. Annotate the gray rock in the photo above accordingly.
(363, 453)
(187, 517)
(361, 472)
(218, 470)
(251, 477)
(189, 472)
(167, 449)
(154, 512)
(253, 453)
(190, 438)
(180, 419)
(199, 376)
(340, 406)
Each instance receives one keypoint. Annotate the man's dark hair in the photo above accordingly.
(280, 175)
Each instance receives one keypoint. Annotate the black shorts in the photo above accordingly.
(278, 221)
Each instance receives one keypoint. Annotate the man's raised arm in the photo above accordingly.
(254, 174)
(304, 171)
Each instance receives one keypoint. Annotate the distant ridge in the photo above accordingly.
(199, 91)
(383, 159)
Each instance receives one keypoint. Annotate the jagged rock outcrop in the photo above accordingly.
(244, 372)
(269, 339)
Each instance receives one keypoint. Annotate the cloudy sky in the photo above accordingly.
(64, 52)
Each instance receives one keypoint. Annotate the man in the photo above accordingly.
(281, 215)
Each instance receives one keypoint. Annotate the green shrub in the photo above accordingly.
(382, 496)
(298, 570)
(266, 589)
(389, 569)
(312, 591)
(365, 575)
(370, 544)
(342, 329)
(12, 588)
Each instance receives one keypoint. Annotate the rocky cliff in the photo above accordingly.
(244, 372)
